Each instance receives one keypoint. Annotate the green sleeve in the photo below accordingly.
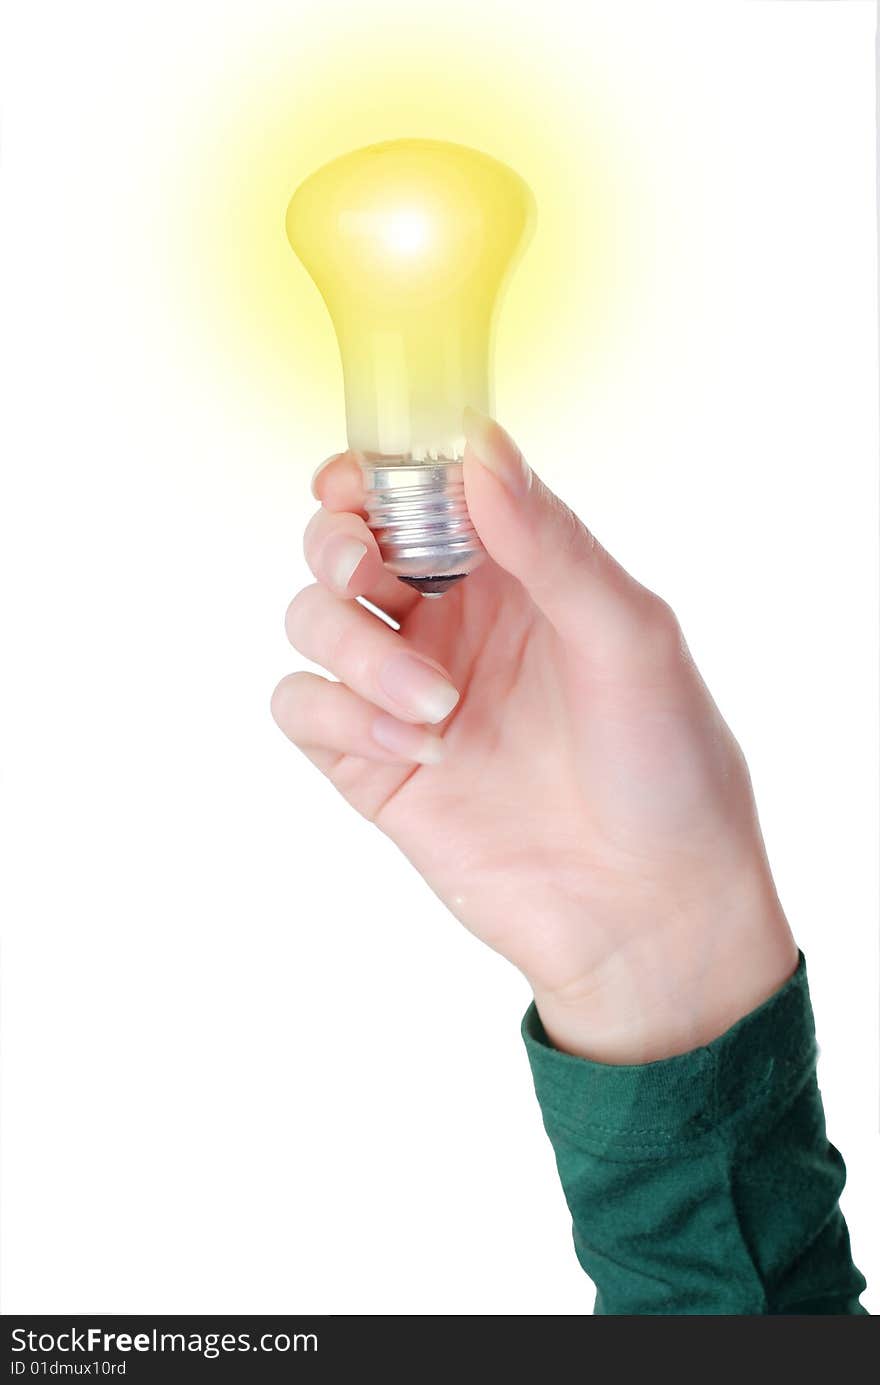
(704, 1184)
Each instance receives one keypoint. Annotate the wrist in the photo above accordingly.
(677, 984)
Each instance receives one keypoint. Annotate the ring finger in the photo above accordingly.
(328, 720)
(373, 660)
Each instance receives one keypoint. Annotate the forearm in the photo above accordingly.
(704, 1184)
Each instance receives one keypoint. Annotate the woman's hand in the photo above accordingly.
(542, 748)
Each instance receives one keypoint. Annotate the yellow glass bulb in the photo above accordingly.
(410, 243)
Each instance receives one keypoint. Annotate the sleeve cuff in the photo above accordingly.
(655, 1110)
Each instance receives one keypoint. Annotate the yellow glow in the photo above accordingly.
(409, 243)
(294, 98)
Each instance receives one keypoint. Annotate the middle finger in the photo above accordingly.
(343, 554)
(372, 659)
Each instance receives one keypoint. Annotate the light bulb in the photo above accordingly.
(410, 243)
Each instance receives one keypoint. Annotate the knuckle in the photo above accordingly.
(351, 654)
(571, 540)
(312, 532)
(569, 531)
(299, 615)
(282, 698)
(292, 706)
(661, 630)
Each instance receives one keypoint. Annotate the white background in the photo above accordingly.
(250, 1064)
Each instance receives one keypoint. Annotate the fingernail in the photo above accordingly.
(497, 452)
(340, 558)
(417, 687)
(408, 741)
(323, 467)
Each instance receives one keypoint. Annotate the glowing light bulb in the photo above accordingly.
(410, 244)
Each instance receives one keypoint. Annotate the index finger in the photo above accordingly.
(339, 484)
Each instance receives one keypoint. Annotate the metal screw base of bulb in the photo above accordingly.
(418, 513)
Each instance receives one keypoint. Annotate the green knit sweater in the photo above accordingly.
(704, 1184)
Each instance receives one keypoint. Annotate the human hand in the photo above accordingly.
(587, 812)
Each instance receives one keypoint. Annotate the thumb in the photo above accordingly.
(533, 535)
